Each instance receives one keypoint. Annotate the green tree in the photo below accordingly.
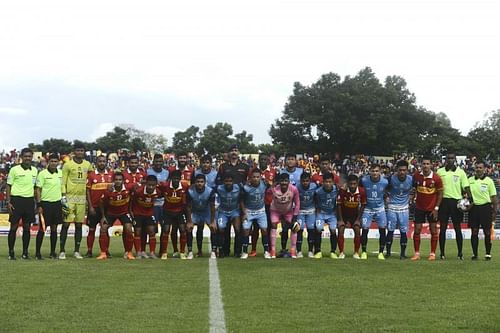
(117, 139)
(486, 136)
(186, 141)
(52, 145)
(145, 141)
(244, 142)
(216, 138)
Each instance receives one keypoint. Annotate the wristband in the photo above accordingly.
(436, 208)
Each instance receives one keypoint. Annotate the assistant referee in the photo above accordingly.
(21, 201)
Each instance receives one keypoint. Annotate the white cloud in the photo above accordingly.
(167, 131)
(13, 111)
(101, 130)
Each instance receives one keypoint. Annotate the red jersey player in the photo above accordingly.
(324, 167)
(175, 215)
(115, 206)
(133, 174)
(351, 203)
(429, 193)
(98, 182)
(143, 199)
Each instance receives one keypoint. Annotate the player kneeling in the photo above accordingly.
(114, 206)
(201, 208)
(254, 211)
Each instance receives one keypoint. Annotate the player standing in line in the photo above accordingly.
(239, 171)
(455, 183)
(20, 200)
(74, 192)
(143, 201)
(483, 212)
(98, 182)
(351, 204)
(375, 187)
(326, 212)
(186, 175)
(48, 201)
(201, 208)
(254, 211)
(161, 175)
(229, 211)
(114, 205)
(285, 208)
(293, 172)
(325, 166)
(398, 211)
(268, 174)
(428, 196)
(207, 170)
(133, 177)
(307, 213)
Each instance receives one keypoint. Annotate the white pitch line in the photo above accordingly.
(216, 308)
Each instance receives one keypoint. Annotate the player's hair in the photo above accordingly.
(117, 173)
(102, 156)
(133, 157)
(327, 175)
(78, 145)
(305, 175)
(402, 163)
(256, 170)
(205, 158)
(176, 174)
(483, 162)
(263, 154)
(200, 176)
(157, 156)
(426, 158)
(227, 175)
(324, 158)
(182, 153)
(54, 157)
(151, 178)
(26, 151)
(373, 166)
(283, 176)
(290, 155)
(352, 177)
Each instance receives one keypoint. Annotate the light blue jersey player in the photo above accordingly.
(201, 207)
(326, 212)
(398, 212)
(375, 187)
(307, 213)
(207, 170)
(291, 169)
(229, 212)
(254, 211)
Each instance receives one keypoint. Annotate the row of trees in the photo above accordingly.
(355, 115)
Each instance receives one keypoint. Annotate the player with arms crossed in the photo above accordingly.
(428, 196)
(351, 204)
(254, 211)
(201, 208)
(375, 187)
(326, 212)
(398, 211)
(307, 213)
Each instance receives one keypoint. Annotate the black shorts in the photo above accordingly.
(124, 219)
(173, 218)
(93, 220)
(144, 221)
(24, 208)
(52, 212)
(423, 217)
(480, 216)
(448, 209)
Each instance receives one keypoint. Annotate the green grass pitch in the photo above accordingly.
(281, 295)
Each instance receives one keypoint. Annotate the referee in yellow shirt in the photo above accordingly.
(455, 184)
(21, 201)
(48, 201)
(483, 211)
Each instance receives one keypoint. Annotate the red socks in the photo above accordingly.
(340, 240)
(416, 242)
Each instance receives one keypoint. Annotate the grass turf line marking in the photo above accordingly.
(216, 308)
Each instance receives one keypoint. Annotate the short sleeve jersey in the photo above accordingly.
(22, 181)
(50, 185)
(75, 180)
(427, 188)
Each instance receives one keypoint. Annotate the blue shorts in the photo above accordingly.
(369, 215)
(200, 218)
(224, 217)
(307, 219)
(398, 218)
(258, 216)
(330, 219)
